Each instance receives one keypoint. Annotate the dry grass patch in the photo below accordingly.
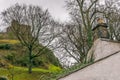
(9, 41)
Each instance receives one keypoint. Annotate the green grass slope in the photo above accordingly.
(20, 73)
(10, 48)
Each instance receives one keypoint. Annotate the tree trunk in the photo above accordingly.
(30, 61)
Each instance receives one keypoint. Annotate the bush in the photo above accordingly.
(37, 62)
(22, 61)
(5, 46)
(10, 57)
(3, 78)
(15, 59)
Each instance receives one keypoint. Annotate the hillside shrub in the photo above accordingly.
(23, 60)
(3, 78)
(13, 59)
(10, 57)
(37, 62)
(5, 46)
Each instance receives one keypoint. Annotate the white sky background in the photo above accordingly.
(56, 7)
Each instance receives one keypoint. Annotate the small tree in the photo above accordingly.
(30, 24)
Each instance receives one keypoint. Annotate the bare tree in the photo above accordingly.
(31, 25)
(77, 38)
(111, 12)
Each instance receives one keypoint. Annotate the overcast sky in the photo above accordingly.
(55, 7)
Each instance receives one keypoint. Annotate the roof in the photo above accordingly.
(105, 61)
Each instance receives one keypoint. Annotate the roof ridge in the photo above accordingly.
(109, 40)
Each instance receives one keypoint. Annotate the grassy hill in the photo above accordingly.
(12, 53)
